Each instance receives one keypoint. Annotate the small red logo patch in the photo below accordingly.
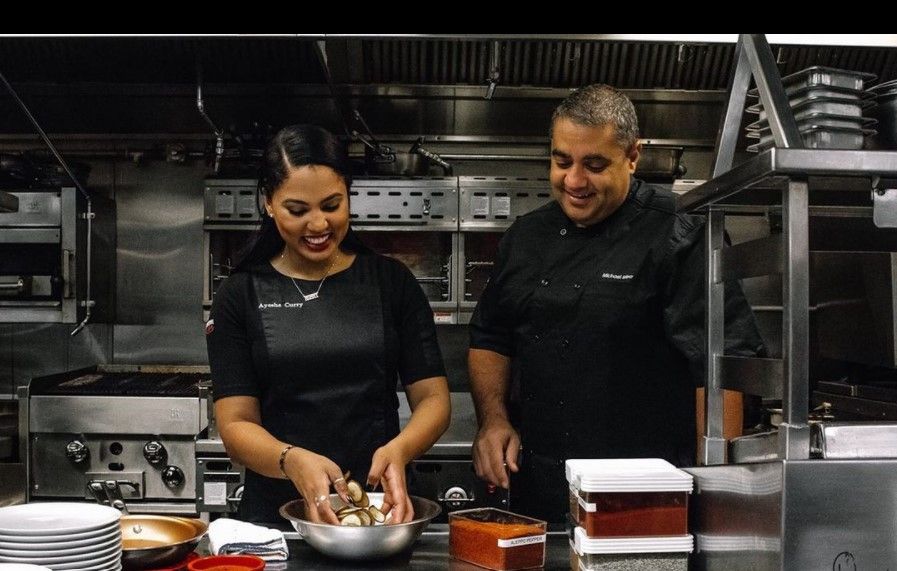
(210, 326)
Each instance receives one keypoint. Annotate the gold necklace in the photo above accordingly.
(314, 294)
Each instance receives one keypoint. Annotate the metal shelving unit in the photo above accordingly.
(789, 172)
(787, 512)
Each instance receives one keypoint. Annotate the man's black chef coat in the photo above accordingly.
(605, 328)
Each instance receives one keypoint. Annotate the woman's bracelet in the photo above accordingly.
(283, 458)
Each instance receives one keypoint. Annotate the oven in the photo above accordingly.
(414, 220)
(487, 207)
(43, 256)
(115, 432)
(219, 480)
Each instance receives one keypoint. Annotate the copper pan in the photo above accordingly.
(151, 541)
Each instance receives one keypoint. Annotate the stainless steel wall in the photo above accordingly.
(158, 281)
(43, 348)
(159, 268)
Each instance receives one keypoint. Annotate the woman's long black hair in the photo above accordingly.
(293, 147)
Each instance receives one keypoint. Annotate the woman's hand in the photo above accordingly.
(313, 474)
(388, 470)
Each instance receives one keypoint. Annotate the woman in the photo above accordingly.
(306, 341)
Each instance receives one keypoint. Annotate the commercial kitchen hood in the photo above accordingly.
(434, 84)
(628, 61)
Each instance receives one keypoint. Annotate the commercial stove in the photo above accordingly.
(146, 436)
(115, 433)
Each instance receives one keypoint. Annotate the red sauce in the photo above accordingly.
(635, 513)
(477, 541)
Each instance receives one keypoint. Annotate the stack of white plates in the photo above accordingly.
(61, 536)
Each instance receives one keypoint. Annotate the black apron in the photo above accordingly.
(326, 389)
(589, 333)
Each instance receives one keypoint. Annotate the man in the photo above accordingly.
(596, 303)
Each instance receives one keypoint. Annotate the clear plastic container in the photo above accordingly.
(629, 498)
(632, 554)
(497, 539)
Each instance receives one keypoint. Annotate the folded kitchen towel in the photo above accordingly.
(232, 537)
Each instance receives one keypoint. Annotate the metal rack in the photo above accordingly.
(791, 172)
(788, 169)
(787, 512)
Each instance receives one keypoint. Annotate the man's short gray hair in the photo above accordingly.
(597, 105)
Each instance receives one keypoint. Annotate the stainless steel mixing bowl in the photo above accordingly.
(361, 543)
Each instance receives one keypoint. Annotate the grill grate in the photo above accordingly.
(127, 384)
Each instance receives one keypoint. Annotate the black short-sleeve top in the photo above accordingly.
(324, 371)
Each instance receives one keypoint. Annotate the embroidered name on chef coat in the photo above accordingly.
(284, 305)
(612, 277)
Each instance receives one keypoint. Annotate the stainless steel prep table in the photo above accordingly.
(431, 551)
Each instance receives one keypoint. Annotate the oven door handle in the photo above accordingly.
(17, 286)
(68, 260)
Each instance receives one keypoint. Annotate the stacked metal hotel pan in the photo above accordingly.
(886, 114)
(828, 106)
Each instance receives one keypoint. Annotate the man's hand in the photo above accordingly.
(495, 451)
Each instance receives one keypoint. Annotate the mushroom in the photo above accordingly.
(359, 512)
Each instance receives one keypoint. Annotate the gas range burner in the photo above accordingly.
(116, 432)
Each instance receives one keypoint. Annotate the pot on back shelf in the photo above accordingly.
(382, 160)
(394, 163)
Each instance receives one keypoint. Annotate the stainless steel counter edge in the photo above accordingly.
(431, 551)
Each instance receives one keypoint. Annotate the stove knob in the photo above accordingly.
(155, 453)
(77, 452)
(173, 477)
(455, 497)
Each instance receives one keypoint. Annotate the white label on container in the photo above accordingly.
(479, 205)
(505, 543)
(587, 506)
(501, 205)
(215, 493)
(443, 317)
